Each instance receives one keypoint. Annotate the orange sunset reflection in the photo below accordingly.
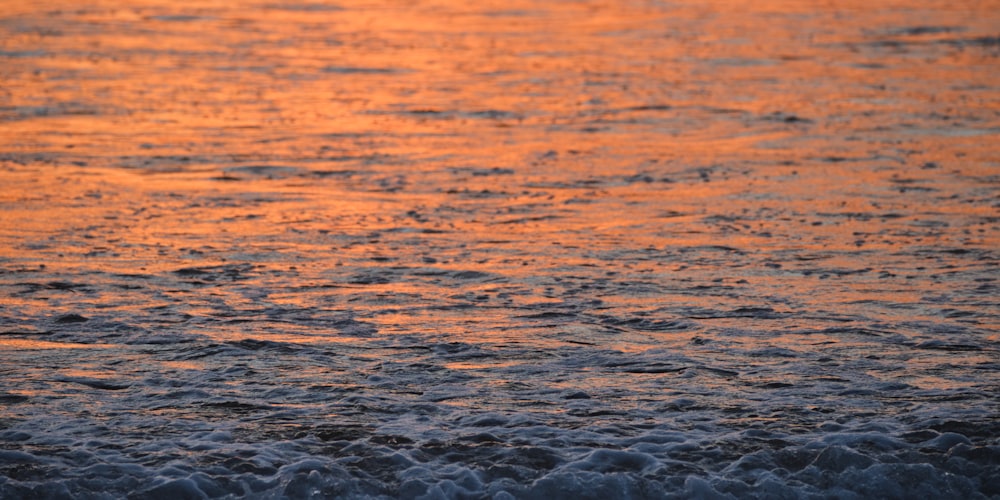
(653, 228)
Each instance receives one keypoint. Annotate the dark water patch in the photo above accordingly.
(260, 69)
(651, 107)
(96, 383)
(491, 114)
(236, 407)
(337, 174)
(202, 350)
(551, 315)
(25, 330)
(721, 372)
(824, 273)
(353, 327)
(54, 285)
(977, 254)
(782, 117)
(947, 346)
(225, 272)
(178, 18)
(917, 40)
(648, 325)
(19, 54)
(11, 399)
(978, 430)
(739, 312)
(480, 194)
(66, 109)
(363, 70)
(304, 7)
(923, 30)
(654, 368)
(71, 318)
(714, 248)
(849, 330)
(372, 278)
(773, 352)
(525, 220)
(991, 42)
(482, 172)
(264, 171)
(426, 112)
(840, 159)
(65, 285)
(470, 275)
(265, 345)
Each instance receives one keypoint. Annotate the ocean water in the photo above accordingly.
(521, 249)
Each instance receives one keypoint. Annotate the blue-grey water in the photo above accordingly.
(565, 249)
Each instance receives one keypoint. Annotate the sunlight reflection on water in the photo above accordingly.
(544, 249)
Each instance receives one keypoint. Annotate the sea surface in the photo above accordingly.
(519, 249)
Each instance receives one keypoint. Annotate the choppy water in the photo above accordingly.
(543, 249)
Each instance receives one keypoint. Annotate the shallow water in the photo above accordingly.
(561, 249)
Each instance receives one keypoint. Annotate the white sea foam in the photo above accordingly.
(557, 250)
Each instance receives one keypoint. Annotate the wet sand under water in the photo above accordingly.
(560, 249)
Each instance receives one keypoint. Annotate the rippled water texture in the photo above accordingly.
(482, 249)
